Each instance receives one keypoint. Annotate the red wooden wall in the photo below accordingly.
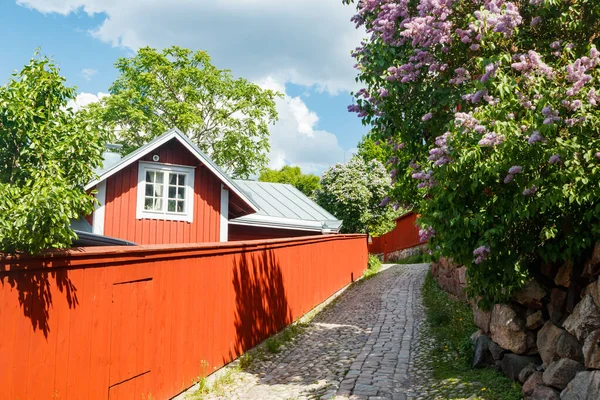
(121, 199)
(145, 322)
(405, 235)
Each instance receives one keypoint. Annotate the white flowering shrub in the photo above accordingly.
(492, 110)
(357, 193)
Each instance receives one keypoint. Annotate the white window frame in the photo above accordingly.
(188, 214)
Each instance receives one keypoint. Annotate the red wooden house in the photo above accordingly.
(168, 191)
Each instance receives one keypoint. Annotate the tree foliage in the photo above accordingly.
(157, 90)
(356, 193)
(492, 112)
(369, 148)
(47, 155)
(306, 183)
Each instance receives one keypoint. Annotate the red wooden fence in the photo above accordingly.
(145, 322)
(404, 236)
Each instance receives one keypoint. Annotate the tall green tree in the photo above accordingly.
(370, 148)
(47, 155)
(357, 193)
(227, 118)
(306, 183)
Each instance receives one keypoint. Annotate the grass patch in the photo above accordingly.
(373, 267)
(450, 322)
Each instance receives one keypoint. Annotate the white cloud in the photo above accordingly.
(295, 140)
(88, 73)
(306, 42)
(84, 99)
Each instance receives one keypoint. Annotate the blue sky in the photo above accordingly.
(300, 47)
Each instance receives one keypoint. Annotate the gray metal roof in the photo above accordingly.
(282, 205)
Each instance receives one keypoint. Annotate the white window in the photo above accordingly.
(165, 192)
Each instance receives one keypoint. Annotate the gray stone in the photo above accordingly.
(508, 329)
(591, 350)
(497, 351)
(544, 393)
(557, 305)
(559, 373)
(585, 386)
(527, 372)
(482, 356)
(593, 289)
(513, 364)
(532, 382)
(547, 338)
(567, 346)
(592, 266)
(584, 320)
(475, 335)
(564, 274)
(481, 318)
(530, 295)
(535, 320)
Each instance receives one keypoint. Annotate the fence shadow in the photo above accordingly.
(34, 289)
(261, 304)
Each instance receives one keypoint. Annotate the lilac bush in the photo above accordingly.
(491, 111)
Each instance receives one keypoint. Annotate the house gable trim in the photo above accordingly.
(185, 141)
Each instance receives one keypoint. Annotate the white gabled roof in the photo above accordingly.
(283, 206)
(187, 143)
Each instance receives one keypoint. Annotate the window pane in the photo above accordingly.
(181, 180)
(180, 206)
(158, 190)
(171, 207)
(148, 204)
(172, 191)
(149, 176)
(158, 205)
(180, 193)
(149, 189)
(173, 179)
(159, 177)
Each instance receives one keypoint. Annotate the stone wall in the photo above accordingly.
(548, 336)
(405, 253)
(450, 276)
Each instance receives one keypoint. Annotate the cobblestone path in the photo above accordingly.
(361, 347)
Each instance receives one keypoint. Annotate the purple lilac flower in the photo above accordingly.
(509, 178)
(426, 234)
(515, 169)
(551, 115)
(576, 72)
(384, 202)
(491, 139)
(383, 92)
(597, 155)
(555, 45)
(501, 16)
(554, 159)
(530, 191)
(462, 76)
(592, 97)
(535, 137)
(482, 253)
(490, 70)
(427, 117)
(535, 20)
(531, 63)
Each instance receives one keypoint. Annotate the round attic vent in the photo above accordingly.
(155, 158)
